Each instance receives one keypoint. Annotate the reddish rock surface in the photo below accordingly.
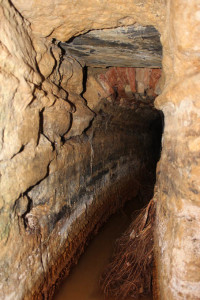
(155, 75)
(118, 81)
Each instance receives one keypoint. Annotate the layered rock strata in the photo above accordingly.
(131, 46)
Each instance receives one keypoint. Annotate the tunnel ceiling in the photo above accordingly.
(132, 46)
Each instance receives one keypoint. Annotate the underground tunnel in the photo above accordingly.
(99, 117)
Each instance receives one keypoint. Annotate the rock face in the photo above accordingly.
(67, 19)
(73, 151)
(178, 213)
(132, 46)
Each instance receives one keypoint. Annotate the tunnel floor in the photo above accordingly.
(83, 282)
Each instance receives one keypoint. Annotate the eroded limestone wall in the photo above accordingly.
(178, 214)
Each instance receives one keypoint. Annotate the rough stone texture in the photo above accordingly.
(66, 19)
(56, 120)
(132, 46)
(178, 211)
(34, 77)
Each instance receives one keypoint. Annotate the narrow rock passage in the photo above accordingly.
(83, 282)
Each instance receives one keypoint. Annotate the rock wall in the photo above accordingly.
(178, 211)
(42, 120)
(67, 19)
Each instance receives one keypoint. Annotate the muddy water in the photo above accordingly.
(82, 284)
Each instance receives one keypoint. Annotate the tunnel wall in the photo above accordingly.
(178, 214)
(32, 158)
(67, 163)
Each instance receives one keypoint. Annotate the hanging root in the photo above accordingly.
(130, 271)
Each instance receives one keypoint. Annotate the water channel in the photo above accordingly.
(83, 282)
